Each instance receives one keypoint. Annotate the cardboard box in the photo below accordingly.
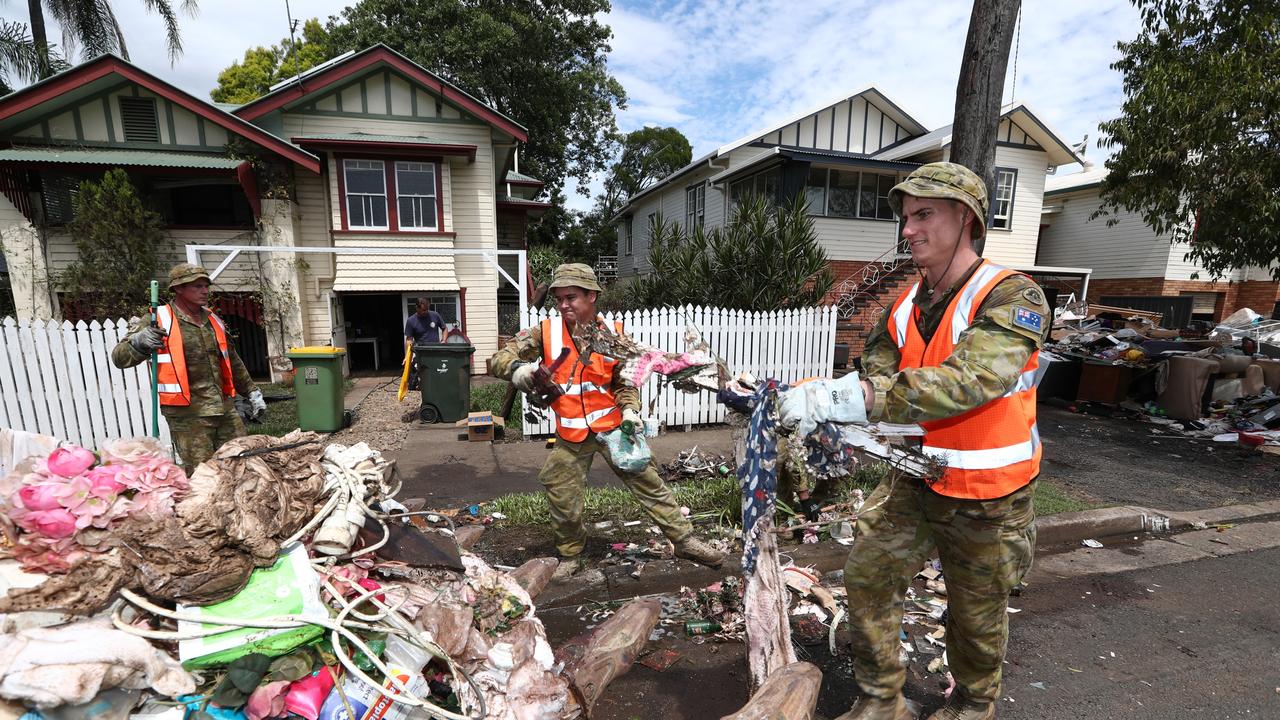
(480, 426)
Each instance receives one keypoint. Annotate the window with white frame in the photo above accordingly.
(1002, 202)
(365, 185)
(849, 194)
(695, 201)
(416, 195)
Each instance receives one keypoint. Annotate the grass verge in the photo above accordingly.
(282, 415)
(1051, 500)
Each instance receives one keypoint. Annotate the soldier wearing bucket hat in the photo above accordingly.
(595, 401)
(956, 353)
(199, 374)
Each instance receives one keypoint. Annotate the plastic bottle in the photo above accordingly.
(405, 661)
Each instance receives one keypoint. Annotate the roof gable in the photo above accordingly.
(1019, 127)
(59, 99)
(864, 122)
(377, 81)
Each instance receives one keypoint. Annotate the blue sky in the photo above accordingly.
(719, 69)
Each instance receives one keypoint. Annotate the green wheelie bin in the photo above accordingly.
(444, 376)
(318, 386)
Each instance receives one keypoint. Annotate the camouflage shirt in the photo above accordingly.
(527, 347)
(203, 377)
(986, 361)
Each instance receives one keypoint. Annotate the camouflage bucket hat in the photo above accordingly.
(183, 273)
(575, 275)
(947, 181)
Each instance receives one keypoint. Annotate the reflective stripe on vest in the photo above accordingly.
(991, 450)
(171, 368)
(588, 404)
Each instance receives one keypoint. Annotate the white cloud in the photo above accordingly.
(217, 36)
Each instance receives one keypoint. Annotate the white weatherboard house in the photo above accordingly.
(1130, 259)
(844, 156)
(369, 149)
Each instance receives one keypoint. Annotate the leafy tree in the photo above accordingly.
(542, 63)
(116, 238)
(648, 155)
(262, 67)
(92, 25)
(766, 258)
(18, 56)
(1197, 144)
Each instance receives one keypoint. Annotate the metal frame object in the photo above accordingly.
(233, 251)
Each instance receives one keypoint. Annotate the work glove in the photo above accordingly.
(803, 407)
(522, 378)
(258, 404)
(244, 408)
(631, 422)
(811, 509)
(147, 340)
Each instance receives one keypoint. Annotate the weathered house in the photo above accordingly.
(369, 149)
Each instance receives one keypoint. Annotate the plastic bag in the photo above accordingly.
(630, 453)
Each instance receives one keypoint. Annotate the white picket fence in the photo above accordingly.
(787, 345)
(56, 378)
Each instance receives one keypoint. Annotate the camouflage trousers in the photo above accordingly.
(197, 438)
(565, 477)
(986, 548)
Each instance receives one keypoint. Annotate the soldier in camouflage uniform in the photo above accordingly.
(209, 419)
(985, 545)
(565, 473)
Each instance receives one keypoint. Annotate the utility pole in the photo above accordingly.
(981, 87)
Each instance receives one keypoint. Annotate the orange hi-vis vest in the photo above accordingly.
(171, 367)
(993, 449)
(588, 404)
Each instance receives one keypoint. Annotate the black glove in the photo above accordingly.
(147, 340)
(811, 509)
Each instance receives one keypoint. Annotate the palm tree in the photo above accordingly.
(92, 25)
(18, 56)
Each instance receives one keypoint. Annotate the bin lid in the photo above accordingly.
(315, 351)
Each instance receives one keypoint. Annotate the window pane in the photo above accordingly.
(355, 212)
(883, 210)
(378, 211)
(815, 191)
(867, 196)
(843, 200)
(415, 179)
(365, 176)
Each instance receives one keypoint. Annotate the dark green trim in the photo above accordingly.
(111, 125)
(386, 87)
(135, 145)
(103, 94)
(134, 88)
(866, 116)
(1019, 146)
(413, 100)
(879, 135)
(848, 126)
(44, 130)
(75, 118)
(364, 97)
(337, 101)
(200, 131)
(173, 131)
(331, 113)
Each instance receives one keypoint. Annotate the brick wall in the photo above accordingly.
(853, 331)
(1258, 295)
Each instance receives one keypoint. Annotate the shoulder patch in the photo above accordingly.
(1033, 296)
(1028, 319)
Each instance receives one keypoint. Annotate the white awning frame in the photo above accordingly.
(522, 256)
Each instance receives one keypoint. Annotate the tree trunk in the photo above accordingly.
(593, 660)
(39, 37)
(791, 693)
(980, 89)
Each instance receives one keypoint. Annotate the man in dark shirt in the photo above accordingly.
(424, 326)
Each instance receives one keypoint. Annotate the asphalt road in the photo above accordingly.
(1191, 640)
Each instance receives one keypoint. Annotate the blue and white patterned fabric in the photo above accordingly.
(758, 475)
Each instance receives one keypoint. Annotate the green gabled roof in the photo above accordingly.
(515, 177)
(366, 137)
(122, 157)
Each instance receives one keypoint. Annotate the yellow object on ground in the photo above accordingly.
(404, 376)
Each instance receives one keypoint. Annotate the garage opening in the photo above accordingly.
(374, 332)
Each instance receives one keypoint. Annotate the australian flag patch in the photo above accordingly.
(1028, 319)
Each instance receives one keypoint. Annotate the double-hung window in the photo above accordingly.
(416, 196)
(695, 200)
(1002, 205)
(365, 184)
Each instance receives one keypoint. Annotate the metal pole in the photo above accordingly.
(155, 369)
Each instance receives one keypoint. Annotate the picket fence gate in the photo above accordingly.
(786, 345)
(56, 378)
